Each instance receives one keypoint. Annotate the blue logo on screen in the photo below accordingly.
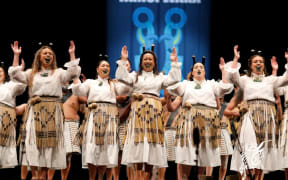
(143, 19)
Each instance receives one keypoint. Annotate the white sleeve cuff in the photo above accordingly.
(176, 64)
(228, 67)
(13, 69)
(72, 63)
(122, 62)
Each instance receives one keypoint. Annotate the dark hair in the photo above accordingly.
(250, 62)
(5, 72)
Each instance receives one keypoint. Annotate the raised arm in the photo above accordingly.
(73, 69)
(274, 66)
(281, 80)
(232, 69)
(236, 56)
(72, 51)
(124, 53)
(15, 71)
(222, 69)
(17, 51)
(122, 73)
(174, 75)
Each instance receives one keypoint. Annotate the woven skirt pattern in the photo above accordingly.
(144, 140)
(7, 125)
(8, 158)
(203, 117)
(42, 134)
(100, 145)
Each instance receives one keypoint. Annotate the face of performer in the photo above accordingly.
(148, 62)
(2, 75)
(103, 70)
(46, 57)
(198, 72)
(257, 65)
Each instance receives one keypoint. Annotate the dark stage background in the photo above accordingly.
(258, 24)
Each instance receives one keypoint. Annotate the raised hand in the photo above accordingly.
(236, 53)
(274, 63)
(221, 67)
(236, 57)
(16, 49)
(222, 63)
(124, 53)
(173, 55)
(72, 50)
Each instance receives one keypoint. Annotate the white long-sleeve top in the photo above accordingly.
(49, 85)
(206, 95)
(9, 91)
(253, 89)
(148, 82)
(283, 91)
(99, 90)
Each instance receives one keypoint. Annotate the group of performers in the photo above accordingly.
(126, 122)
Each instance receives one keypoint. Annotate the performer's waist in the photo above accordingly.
(5, 105)
(71, 120)
(37, 99)
(260, 101)
(198, 105)
(151, 94)
(99, 102)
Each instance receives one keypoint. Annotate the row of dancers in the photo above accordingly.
(124, 117)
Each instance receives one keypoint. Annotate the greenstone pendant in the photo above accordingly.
(44, 74)
(257, 80)
(198, 86)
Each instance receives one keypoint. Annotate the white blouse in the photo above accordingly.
(147, 81)
(283, 91)
(9, 91)
(205, 94)
(46, 83)
(256, 87)
(99, 90)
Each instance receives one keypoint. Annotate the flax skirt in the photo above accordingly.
(259, 138)
(43, 147)
(100, 146)
(8, 157)
(207, 120)
(144, 141)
